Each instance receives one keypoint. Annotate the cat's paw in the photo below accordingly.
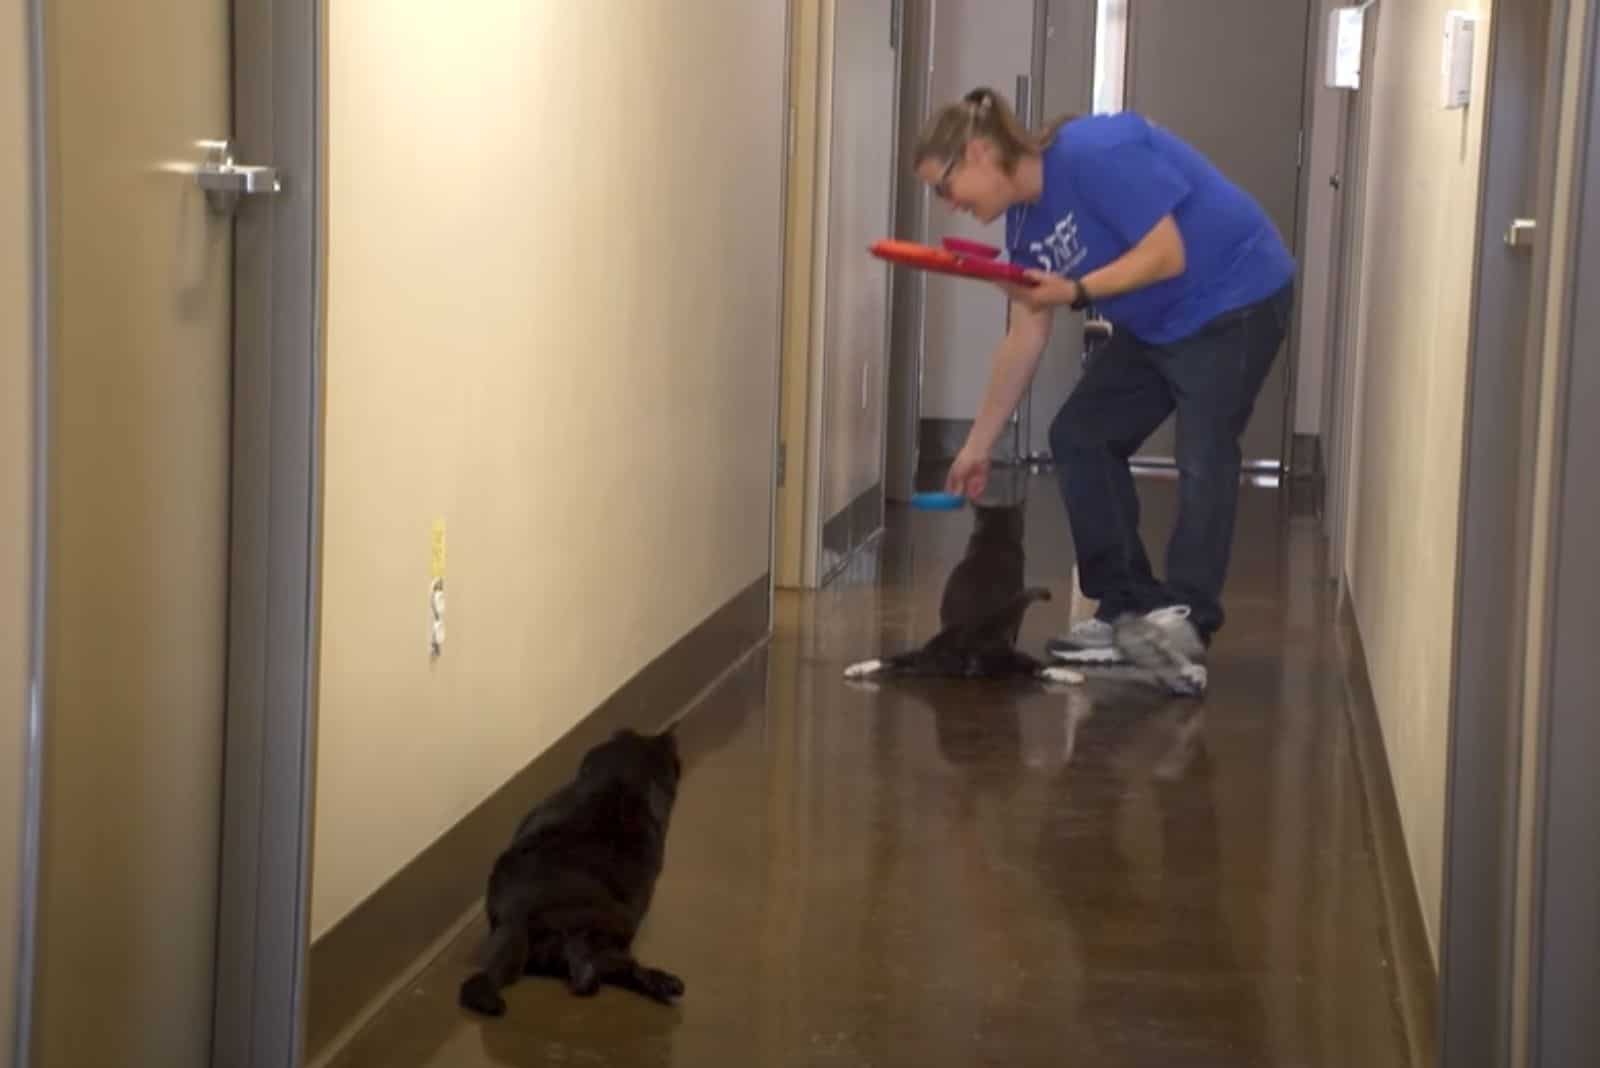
(584, 979)
(660, 985)
(864, 669)
(1061, 676)
(479, 995)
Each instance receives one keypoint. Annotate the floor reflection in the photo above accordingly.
(965, 873)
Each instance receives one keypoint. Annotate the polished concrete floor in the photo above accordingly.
(945, 873)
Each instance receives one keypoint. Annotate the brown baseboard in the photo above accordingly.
(1307, 480)
(1416, 975)
(1305, 456)
(355, 966)
(854, 526)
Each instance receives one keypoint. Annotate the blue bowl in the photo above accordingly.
(938, 502)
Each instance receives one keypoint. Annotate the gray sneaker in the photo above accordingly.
(1089, 641)
(1168, 646)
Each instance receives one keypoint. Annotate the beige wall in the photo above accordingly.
(1411, 400)
(16, 411)
(553, 300)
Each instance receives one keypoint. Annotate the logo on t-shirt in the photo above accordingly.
(1062, 250)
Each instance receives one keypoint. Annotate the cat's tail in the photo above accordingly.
(888, 665)
(505, 958)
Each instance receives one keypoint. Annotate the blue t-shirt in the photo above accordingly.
(1108, 180)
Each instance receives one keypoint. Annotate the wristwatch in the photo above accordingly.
(1083, 299)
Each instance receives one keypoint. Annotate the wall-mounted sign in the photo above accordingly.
(1346, 28)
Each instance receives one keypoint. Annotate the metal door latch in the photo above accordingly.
(1520, 233)
(225, 181)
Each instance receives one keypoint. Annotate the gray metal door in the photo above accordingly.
(1229, 77)
(856, 318)
(137, 537)
(1490, 989)
(178, 470)
(1350, 181)
(975, 42)
(1067, 47)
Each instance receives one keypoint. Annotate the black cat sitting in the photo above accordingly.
(980, 614)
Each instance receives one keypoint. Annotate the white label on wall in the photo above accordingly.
(1460, 32)
(1346, 29)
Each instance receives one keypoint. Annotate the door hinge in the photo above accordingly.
(894, 25)
(1300, 150)
(783, 463)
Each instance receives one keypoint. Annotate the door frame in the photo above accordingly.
(779, 450)
(263, 930)
(33, 748)
(1556, 948)
(791, 551)
(1565, 878)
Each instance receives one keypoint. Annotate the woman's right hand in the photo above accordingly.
(969, 474)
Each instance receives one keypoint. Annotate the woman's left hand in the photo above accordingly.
(969, 474)
(1050, 291)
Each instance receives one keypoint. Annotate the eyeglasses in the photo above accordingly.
(942, 186)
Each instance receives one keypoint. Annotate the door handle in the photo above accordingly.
(225, 181)
(1520, 233)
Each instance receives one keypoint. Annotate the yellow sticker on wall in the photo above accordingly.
(437, 540)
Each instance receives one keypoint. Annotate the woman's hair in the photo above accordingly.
(983, 113)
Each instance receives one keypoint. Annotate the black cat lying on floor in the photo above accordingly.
(981, 612)
(567, 897)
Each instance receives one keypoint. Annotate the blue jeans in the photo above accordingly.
(1127, 391)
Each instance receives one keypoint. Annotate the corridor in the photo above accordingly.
(965, 874)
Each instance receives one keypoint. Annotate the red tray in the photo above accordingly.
(966, 258)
